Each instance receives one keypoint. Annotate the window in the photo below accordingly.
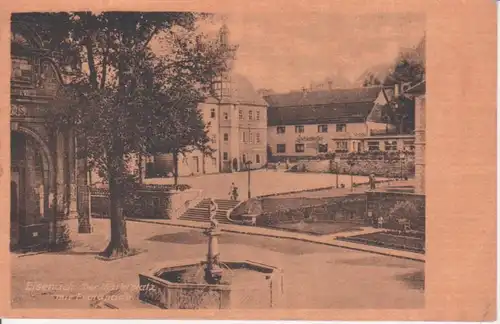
(323, 148)
(226, 116)
(244, 137)
(280, 129)
(257, 114)
(341, 127)
(225, 156)
(257, 138)
(240, 114)
(299, 129)
(244, 158)
(280, 148)
(250, 137)
(390, 146)
(250, 115)
(373, 146)
(214, 139)
(226, 137)
(341, 146)
(299, 148)
(257, 158)
(212, 113)
(322, 128)
(409, 145)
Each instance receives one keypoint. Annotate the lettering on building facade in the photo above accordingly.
(18, 110)
(302, 139)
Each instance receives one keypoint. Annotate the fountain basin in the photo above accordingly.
(180, 285)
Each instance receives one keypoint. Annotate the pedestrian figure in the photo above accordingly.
(372, 181)
(233, 192)
(278, 165)
(380, 221)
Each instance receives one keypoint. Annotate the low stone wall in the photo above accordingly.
(379, 167)
(277, 209)
(164, 204)
(396, 207)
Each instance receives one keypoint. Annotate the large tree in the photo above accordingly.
(119, 87)
(408, 69)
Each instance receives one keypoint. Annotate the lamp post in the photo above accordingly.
(402, 156)
(337, 160)
(248, 163)
(351, 161)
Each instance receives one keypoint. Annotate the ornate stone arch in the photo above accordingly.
(50, 75)
(47, 158)
(25, 36)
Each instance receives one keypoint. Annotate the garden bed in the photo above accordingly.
(391, 240)
(318, 228)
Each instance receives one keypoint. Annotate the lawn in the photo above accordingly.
(390, 240)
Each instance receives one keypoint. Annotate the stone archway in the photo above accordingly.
(32, 186)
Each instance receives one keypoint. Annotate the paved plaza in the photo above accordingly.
(263, 182)
(316, 276)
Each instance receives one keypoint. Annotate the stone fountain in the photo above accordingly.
(213, 282)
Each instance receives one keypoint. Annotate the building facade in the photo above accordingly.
(237, 128)
(44, 173)
(339, 120)
(418, 93)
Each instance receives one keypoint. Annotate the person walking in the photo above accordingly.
(233, 192)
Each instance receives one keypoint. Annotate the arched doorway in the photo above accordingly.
(30, 185)
(235, 164)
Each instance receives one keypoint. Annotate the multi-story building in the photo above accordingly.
(237, 127)
(306, 124)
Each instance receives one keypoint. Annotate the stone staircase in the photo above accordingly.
(199, 213)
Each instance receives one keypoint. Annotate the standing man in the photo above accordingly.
(372, 181)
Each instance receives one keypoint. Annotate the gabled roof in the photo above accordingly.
(300, 98)
(322, 107)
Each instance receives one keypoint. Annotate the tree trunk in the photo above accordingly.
(140, 166)
(176, 168)
(118, 245)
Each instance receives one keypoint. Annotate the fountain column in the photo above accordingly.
(213, 272)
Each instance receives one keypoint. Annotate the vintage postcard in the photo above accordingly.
(262, 161)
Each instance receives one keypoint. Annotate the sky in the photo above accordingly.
(286, 53)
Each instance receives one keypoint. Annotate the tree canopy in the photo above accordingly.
(123, 97)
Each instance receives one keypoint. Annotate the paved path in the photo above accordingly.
(317, 276)
(262, 182)
(322, 239)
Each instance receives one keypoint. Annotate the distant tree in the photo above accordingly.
(371, 80)
(117, 105)
(190, 72)
(265, 92)
(408, 68)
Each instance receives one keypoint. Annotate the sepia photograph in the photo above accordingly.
(195, 160)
